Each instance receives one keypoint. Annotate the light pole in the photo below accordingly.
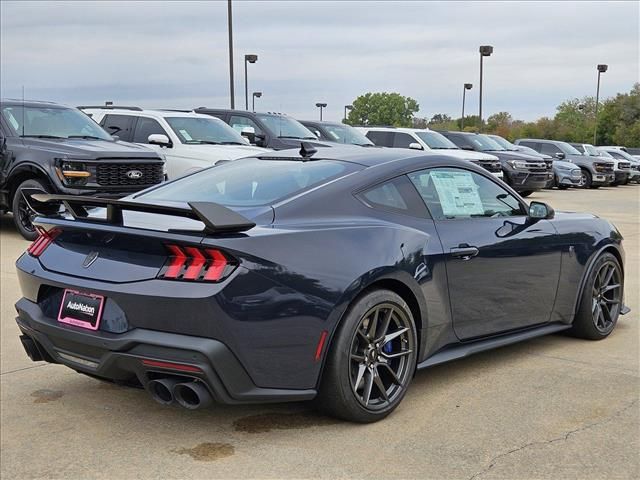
(254, 95)
(467, 86)
(232, 92)
(485, 51)
(347, 108)
(321, 106)
(601, 69)
(250, 58)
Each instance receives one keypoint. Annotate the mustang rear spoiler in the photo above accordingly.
(216, 218)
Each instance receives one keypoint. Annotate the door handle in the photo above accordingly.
(464, 253)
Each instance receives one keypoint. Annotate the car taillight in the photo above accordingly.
(41, 243)
(195, 264)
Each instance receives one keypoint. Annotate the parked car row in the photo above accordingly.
(53, 148)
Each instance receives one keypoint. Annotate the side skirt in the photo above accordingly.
(464, 350)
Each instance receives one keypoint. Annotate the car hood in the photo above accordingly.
(90, 148)
(464, 154)
(218, 152)
(510, 155)
(564, 164)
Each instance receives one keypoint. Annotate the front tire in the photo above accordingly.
(601, 301)
(586, 179)
(22, 213)
(371, 361)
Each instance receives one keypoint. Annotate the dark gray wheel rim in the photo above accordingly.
(606, 297)
(583, 179)
(381, 356)
(25, 214)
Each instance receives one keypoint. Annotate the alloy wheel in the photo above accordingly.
(25, 214)
(381, 356)
(606, 297)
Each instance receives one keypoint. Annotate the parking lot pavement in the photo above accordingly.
(554, 407)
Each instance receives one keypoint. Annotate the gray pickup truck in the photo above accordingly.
(596, 171)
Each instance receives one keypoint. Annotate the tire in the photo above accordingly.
(526, 193)
(598, 313)
(22, 214)
(563, 187)
(586, 179)
(359, 362)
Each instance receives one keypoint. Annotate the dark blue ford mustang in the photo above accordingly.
(328, 275)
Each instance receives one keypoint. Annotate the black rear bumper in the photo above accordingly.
(119, 357)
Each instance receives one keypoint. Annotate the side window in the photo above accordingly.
(381, 139)
(402, 140)
(238, 123)
(453, 193)
(396, 195)
(534, 145)
(145, 127)
(549, 149)
(460, 141)
(120, 125)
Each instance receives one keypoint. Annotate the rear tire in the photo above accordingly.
(601, 300)
(371, 361)
(22, 213)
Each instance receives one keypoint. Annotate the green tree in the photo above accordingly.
(619, 119)
(383, 108)
(500, 123)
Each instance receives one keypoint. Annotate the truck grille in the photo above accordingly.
(604, 167)
(624, 165)
(118, 174)
(549, 164)
(536, 167)
(492, 166)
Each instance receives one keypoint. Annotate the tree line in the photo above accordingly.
(574, 120)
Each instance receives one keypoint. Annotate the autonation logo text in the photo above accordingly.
(81, 307)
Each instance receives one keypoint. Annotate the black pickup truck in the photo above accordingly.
(58, 149)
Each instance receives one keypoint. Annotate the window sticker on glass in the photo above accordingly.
(458, 194)
(185, 135)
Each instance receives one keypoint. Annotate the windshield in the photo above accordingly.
(286, 127)
(504, 143)
(345, 134)
(197, 130)
(484, 143)
(591, 151)
(436, 141)
(52, 122)
(602, 153)
(250, 182)
(568, 149)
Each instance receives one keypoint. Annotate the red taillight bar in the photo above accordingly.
(44, 239)
(181, 367)
(195, 264)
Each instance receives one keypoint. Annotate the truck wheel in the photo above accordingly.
(22, 213)
(586, 179)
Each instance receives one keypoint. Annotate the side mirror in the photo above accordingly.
(159, 139)
(415, 146)
(249, 133)
(260, 140)
(560, 156)
(540, 211)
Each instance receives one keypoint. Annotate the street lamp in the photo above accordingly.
(347, 108)
(232, 92)
(254, 95)
(321, 106)
(467, 86)
(601, 69)
(250, 58)
(485, 51)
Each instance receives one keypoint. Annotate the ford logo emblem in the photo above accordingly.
(134, 174)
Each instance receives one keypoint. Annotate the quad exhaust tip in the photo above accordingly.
(192, 395)
(161, 390)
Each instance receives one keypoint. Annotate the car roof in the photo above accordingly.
(367, 157)
(155, 112)
(541, 140)
(323, 122)
(244, 112)
(31, 103)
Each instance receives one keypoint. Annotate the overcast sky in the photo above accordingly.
(174, 54)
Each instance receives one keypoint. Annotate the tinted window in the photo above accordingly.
(382, 139)
(452, 193)
(286, 127)
(549, 149)
(616, 155)
(250, 182)
(396, 195)
(460, 141)
(238, 123)
(120, 125)
(436, 141)
(146, 127)
(534, 145)
(402, 140)
(344, 134)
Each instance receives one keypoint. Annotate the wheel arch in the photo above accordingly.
(25, 172)
(612, 248)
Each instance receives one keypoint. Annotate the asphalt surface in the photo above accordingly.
(554, 407)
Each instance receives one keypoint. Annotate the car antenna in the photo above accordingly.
(23, 111)
(307, 151)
